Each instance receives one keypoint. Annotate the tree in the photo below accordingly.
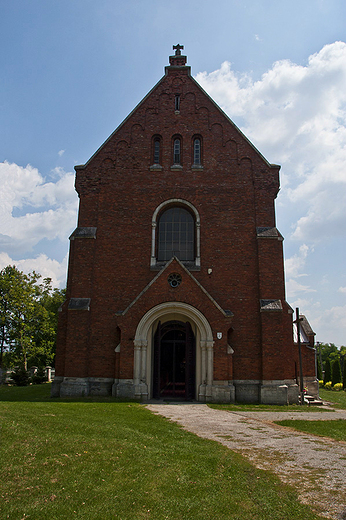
(319, 371)
(336, 372)
(45, 335)
(328, 350)
(28, 315)
(327, 372)
(5, 313)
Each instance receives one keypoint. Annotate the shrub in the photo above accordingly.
(344, 374)
(39, 377)
(320, 383)
(327, 372)
(336, 372)
(337, 387)
(20, 377)
(328, 385)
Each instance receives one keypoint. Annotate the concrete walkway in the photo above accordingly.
(316, 466)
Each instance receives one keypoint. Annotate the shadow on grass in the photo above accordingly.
(41, 393)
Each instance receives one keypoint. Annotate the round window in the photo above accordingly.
(174, 279)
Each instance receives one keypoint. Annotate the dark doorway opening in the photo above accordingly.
(174, 361)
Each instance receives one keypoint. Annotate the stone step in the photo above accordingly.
(310, 400)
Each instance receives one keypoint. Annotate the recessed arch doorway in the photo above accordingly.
(174, 371)
(200, 365)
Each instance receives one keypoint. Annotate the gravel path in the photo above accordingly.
(316, 466)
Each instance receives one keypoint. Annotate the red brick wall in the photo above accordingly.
(308, 360)
(234, 193)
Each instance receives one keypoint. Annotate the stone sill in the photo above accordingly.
(189, 266)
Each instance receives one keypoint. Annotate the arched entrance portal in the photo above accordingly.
(174, 361)
(147, 336)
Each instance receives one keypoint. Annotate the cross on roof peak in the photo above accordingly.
(177, 60)
(177, 49)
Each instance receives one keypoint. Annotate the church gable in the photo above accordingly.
(177, 126)
(176, 277)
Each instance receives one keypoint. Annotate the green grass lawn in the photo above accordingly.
(334, 429)
(102, 459)
(337, 398)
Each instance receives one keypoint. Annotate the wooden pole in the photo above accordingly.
(301, 381)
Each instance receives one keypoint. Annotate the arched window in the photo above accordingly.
(197, 156)
(176, 235)
(157, 150)
(176, 232)
(177, 102)
(177, 151)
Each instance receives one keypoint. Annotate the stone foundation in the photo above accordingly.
(265, 392)
(247, 391)
(81, 386)
(222, 392)
(311, 383)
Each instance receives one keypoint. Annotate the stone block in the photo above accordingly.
(124, 389)
(100, 386)
(274, 394)
(74, 387)
(246, 391)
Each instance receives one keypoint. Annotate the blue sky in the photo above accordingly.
(72, 70)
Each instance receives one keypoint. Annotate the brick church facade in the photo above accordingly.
(176, 277)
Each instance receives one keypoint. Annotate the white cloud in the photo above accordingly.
(32, 210)
(61, 152)
(296, 115)
(295, 264)
(333, 324)
(47, 210)
(46, 267)
(293, 270)
(304, 303)
(342, 289)
(293, 288)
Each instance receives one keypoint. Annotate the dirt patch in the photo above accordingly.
(314, 465)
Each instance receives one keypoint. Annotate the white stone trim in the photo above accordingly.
(143, 345)
(167, 308)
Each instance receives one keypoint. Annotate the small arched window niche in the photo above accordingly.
(197, 152)
(177, 152)
(156, 152)
(177, 103)
(175, 232)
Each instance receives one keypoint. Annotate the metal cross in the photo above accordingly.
(177, 49)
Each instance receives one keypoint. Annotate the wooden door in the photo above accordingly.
(174, 361)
